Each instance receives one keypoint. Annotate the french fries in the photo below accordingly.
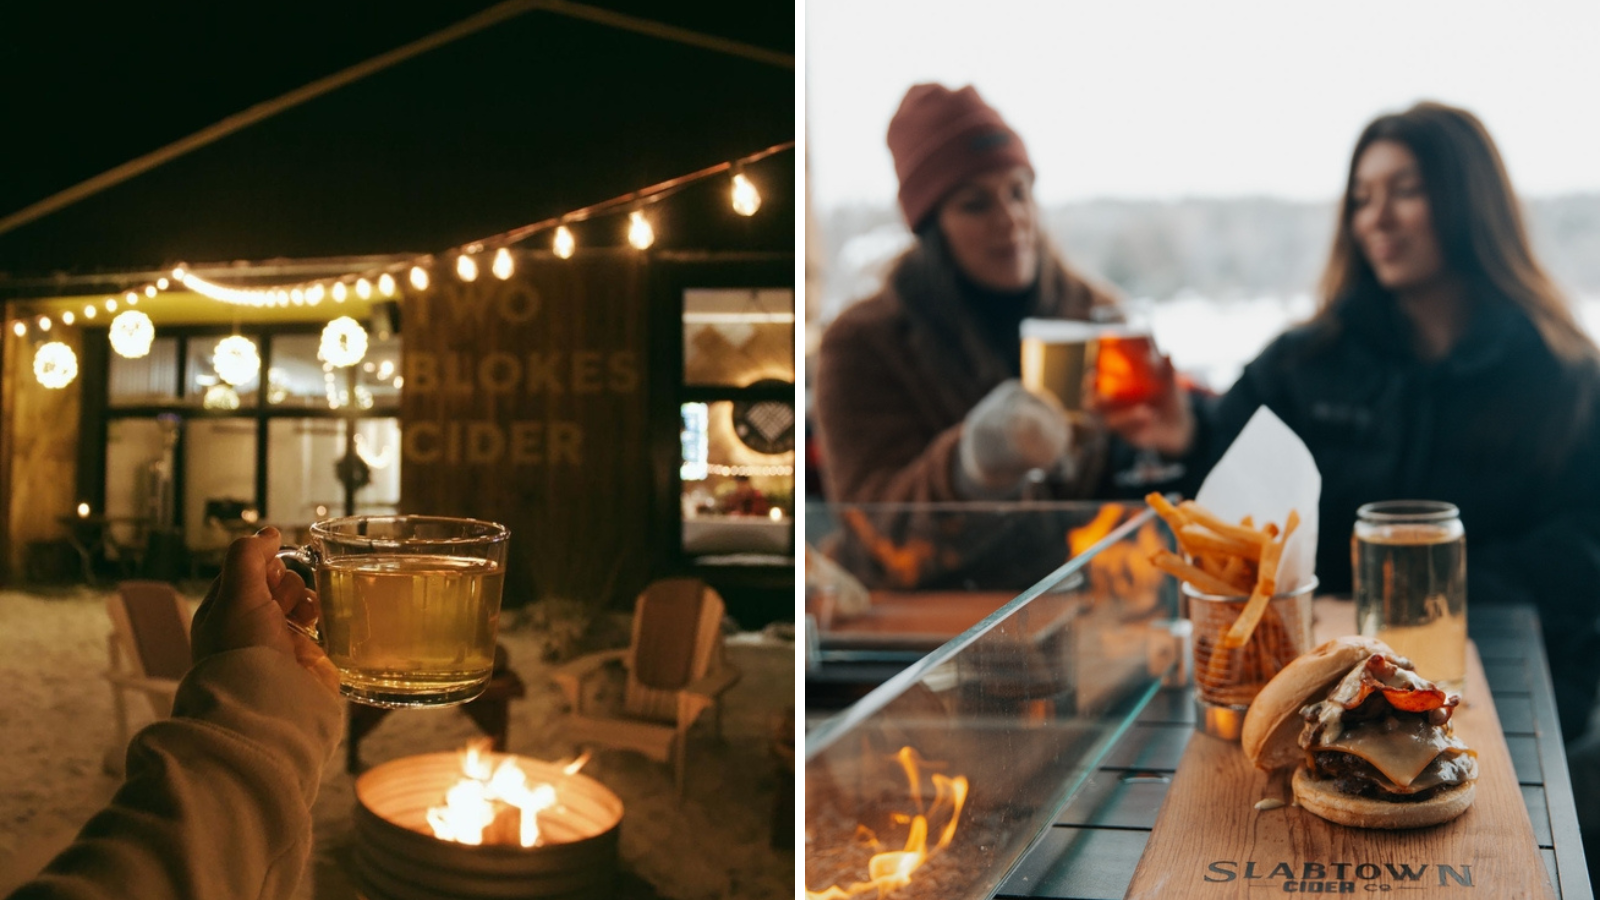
(1238, 647)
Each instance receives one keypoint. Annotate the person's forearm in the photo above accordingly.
(217, 801)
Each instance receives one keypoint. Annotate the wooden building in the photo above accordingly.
(629, 413)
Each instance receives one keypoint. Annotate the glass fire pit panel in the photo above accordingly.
(935, 783)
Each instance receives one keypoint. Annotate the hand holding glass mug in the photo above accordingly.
(1009, 433)
(249, 603)
(409, 605)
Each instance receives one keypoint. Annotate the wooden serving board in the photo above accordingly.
(1210, 841)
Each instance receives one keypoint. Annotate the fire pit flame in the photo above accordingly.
(487, 793)
(892, 869)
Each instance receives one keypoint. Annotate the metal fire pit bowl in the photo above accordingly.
(398, 858)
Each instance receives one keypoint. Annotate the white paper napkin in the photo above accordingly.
(1265, 473)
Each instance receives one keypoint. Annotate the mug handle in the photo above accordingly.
(309, 557)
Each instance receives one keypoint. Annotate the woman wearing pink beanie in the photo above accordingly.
(917, 397)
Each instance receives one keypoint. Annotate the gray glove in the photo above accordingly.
(1010, 432)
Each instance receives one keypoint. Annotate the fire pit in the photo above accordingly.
(572, 853)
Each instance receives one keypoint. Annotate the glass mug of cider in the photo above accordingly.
(410, 605)
(1410, 569)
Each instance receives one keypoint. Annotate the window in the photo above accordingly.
(738, 426)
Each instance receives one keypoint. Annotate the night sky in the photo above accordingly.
(530, 118)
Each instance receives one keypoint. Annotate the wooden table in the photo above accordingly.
(91, 537)
(1093, 847)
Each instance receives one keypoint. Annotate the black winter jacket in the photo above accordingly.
(1500, 427)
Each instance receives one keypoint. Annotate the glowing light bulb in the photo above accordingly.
(344, 342)
(89, 312)
(564, 243)
(466, 268)
(339, 292)
(386, 284)
(67, 318)
(640, 234)
(236, 359)
(111, 306)
(83, 510)
(746, 199)
(502, 267)
(133, 301)
(364, 287)
(314, 294)
(162, 284)
(55, 365)
(131, 297)
(20, 329)
(149, 291)
(419, 278)
(131, 334)
(297, 296)
(177, 274)
(44, 323)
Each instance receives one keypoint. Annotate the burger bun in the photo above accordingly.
(1322, 799)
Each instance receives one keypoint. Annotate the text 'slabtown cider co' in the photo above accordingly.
(1339, 877)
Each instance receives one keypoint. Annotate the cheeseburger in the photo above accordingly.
(1371, 739)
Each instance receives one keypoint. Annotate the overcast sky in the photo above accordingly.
(1171, 98)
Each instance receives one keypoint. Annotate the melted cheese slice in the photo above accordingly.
(1398, 746)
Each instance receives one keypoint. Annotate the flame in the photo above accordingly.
(1083, 537)
(572, 768)
(892, 869)
(485, 790)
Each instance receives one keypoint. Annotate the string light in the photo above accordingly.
(89, 312)
(44, 323)
(564, 243)
(55, 365)
(221, 396)
(746, 199)
(236, 360)
(344, 342)
(502, 267)
(20, 329)
(67, 318)
(131, 334)
(640, 234)
(754, 471)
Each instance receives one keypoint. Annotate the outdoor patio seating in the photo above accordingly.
(675, 671)
(149, 653)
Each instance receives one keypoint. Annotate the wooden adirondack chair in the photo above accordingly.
(675, 672)
(149, 650)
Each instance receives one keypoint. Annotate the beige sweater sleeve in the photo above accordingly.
(217, 802)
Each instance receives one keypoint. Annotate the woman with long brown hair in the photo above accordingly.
(1445, 364)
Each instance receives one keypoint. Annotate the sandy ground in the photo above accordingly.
(55, 718)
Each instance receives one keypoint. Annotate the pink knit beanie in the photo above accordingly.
(940, 138)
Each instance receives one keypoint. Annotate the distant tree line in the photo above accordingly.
(1230, 247)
